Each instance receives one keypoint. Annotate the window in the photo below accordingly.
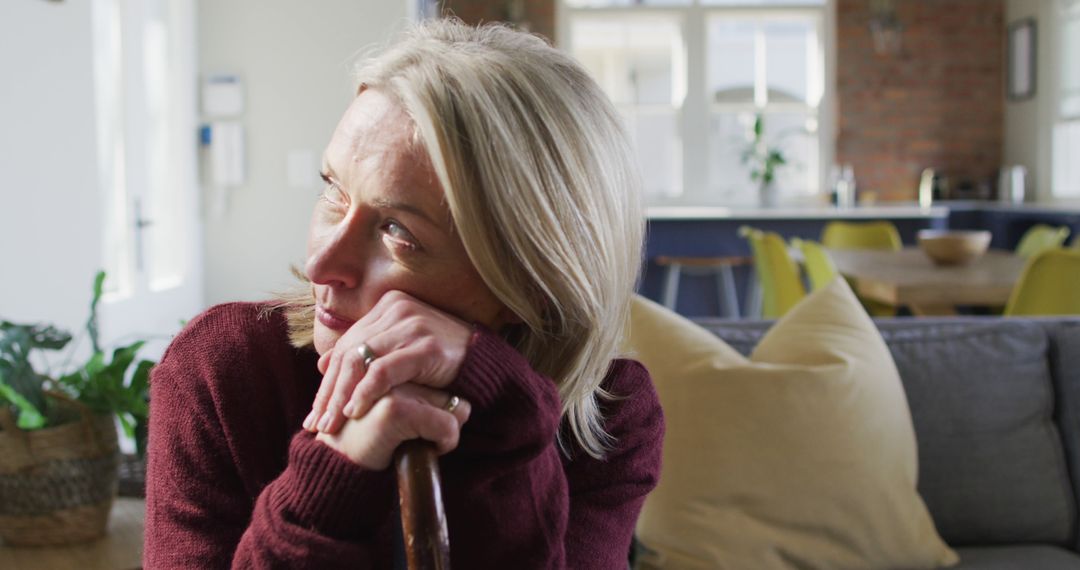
(638, 61)
(109, 84)
(144, 138)
(1066, 143)
(762, 64)
(690, 76)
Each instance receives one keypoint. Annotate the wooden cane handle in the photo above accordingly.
(423, 521)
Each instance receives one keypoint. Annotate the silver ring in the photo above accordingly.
(367, 354)
(452, 403)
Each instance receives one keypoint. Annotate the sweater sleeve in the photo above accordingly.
(322, 511)
(606, 494)
(515, 410)
(568, 513)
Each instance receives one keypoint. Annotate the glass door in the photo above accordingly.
(145, 80)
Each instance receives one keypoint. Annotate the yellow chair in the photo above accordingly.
(777, 273)
(873, 235)
(1049, 285)
(821, 270)
(819, 267)
(1041, 237)
(861, 235)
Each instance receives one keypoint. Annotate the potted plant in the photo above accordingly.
(763, 160)
(58, 443)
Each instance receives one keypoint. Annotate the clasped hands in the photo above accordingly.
(366, 412)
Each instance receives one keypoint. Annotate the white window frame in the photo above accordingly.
(695, 108)
(679, 80)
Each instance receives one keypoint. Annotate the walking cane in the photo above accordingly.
(423, 521)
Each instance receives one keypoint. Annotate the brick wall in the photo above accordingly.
(539, 15)
(938, 104)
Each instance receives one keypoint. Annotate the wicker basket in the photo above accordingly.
(57, 484)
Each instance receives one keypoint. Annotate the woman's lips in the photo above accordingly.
(332, 321)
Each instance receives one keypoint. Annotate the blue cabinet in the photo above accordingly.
(717, 236)
(1008, 223)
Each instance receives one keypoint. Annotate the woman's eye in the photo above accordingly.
(333, 194)
(399, 237)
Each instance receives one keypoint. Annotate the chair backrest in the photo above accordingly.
(861, 235)
(1041, 237)
(819, 267)
(781, 285)
(1049, 285)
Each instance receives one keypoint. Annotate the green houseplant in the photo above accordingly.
(763, 160)
(58, 444)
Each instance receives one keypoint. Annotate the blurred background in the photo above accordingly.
(176, 143)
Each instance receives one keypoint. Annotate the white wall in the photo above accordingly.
(50, 237)
(294, 59)
(1029, 124)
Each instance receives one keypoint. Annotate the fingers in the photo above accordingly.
(407, 412)
(437, 399)
(391, 307)
(324, 361)
(326, 389)
(414, 342)
(385, 373)
(343, 367)
(331, 363)
(357, 390)
(410, 418)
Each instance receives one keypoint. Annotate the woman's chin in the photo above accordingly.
(325, 339)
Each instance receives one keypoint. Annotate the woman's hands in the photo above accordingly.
(418, 349)
(408, 412)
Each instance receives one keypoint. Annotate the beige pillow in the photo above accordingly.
(802, 456)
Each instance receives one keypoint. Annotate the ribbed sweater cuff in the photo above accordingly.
(323, 490)
(488, 363)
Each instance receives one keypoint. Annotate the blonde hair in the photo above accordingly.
(541, 183)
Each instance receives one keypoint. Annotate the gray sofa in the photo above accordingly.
(996, 408)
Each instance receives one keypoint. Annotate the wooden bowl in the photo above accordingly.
(953, 247)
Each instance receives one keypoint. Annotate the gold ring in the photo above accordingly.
(452, 403)
(367, 354)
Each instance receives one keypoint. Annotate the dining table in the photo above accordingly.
(908, 277)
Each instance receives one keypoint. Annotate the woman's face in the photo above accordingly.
(382, 224)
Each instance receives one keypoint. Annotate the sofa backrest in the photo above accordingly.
(996, 409)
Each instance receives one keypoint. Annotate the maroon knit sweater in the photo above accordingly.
(233, 480)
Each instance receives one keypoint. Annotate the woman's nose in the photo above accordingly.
(337, 256)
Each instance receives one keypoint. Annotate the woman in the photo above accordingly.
(471, 261)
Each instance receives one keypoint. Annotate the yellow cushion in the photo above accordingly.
(802, 456)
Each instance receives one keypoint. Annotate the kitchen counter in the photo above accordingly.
(1052, 208)
(903, 211)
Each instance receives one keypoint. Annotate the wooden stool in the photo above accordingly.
(718, 266)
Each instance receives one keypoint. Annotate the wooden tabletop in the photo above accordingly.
(908, 277)
(119, 549)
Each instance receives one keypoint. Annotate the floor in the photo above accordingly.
(120, 549)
